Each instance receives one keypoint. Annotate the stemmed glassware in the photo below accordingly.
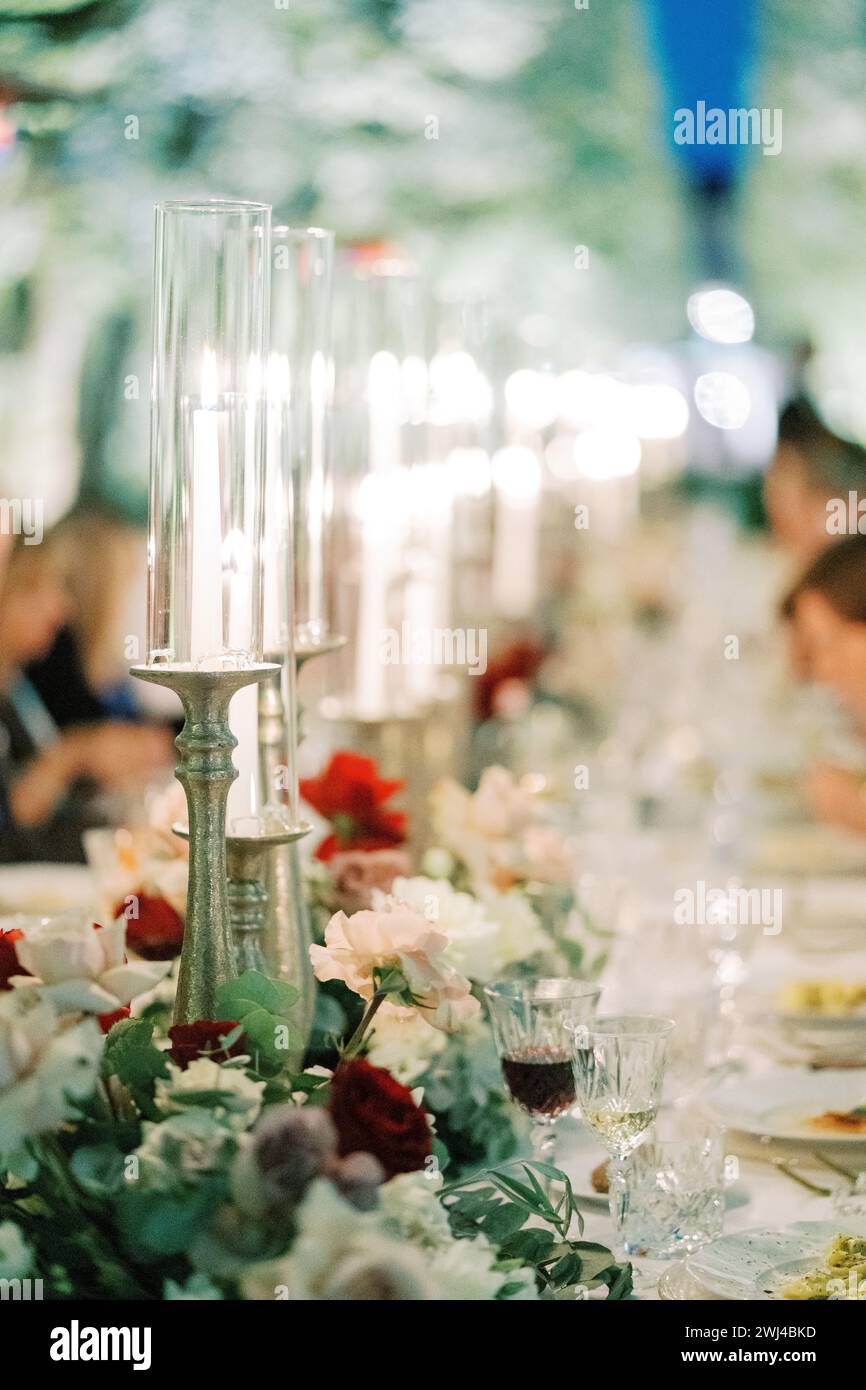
(533, 1024)
(618, 1071)
(619, 1065)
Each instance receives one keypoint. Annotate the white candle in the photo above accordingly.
(238, 579)
(607, 462)
(384, 395)
(206, 627)
(380, 500)
(244, 723)
(517, 478)
(276, 571)
(428, 591)
(317, 500)
(376, 566)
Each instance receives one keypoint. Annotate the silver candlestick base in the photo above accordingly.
(205, 772)
(249, 861)
(305, 651)
(288, 934)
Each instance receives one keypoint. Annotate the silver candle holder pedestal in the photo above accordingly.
(260, 934)
(206, 771)
(288, 930)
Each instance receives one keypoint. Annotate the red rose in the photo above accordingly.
(351, 795)
(156, 931)
(519, 662)
(9, 963)
(203, 1039)
(107, 1021)
(375, 1114)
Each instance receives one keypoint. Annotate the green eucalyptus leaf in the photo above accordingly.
(252, 990)
(530, 1247)
(155, 1224)
(502, 1221)
(131, 1056)
(98, 1168)
(568, 1270)
(620, 1284)
(38, 9)
(511, 1187)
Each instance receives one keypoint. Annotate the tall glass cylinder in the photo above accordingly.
(461, 410)
(211, 306)
(385, 582)
(264, 799)
(301, 375)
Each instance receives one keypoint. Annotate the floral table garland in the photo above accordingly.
(140, 1160)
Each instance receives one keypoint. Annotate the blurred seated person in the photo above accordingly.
(82, 678)
(827, 609)
(49, 776)
(811, 467)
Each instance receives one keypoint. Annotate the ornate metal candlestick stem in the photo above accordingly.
(288, 934)
(205, 772)
(249, 860)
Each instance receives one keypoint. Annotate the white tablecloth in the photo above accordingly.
(770, 1198)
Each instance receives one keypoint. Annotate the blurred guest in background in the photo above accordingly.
(83, 677)
(827, 610)
(811, 467)
(49, 774)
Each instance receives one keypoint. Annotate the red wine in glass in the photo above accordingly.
(541, 1080)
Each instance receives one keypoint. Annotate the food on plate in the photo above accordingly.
(842, 1276)
(822, 997)
(599, 1178)
(840, 1121)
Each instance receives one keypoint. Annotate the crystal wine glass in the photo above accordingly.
(533, 1023)
(619, 1065)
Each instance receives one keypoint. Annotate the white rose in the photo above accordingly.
(341, 1254)
(549, 857)
(403, 1043)
(81, 967)
(472, 937)
(181, 1148)
(410, 1202)
(485, 829)
(520, 935)
(240, 1097)
(44, 1069)
(463, 1271)
(396, 937)
(169, 879)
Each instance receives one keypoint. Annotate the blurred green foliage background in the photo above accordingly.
(547, 129)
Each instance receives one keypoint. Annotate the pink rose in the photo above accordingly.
(362, 949)
(356, 873)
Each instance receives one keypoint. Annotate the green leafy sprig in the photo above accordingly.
(498, 1204)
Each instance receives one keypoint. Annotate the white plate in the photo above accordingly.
(851, 1022)
(779, 1103)
(754, 1265)
(46, 889)
(808, 849)
(762, 1009)
(810, 1036)
(580, 1165)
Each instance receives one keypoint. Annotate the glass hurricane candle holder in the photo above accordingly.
(211, 293)
(300, 398)
(385, 582)
(211, 301)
